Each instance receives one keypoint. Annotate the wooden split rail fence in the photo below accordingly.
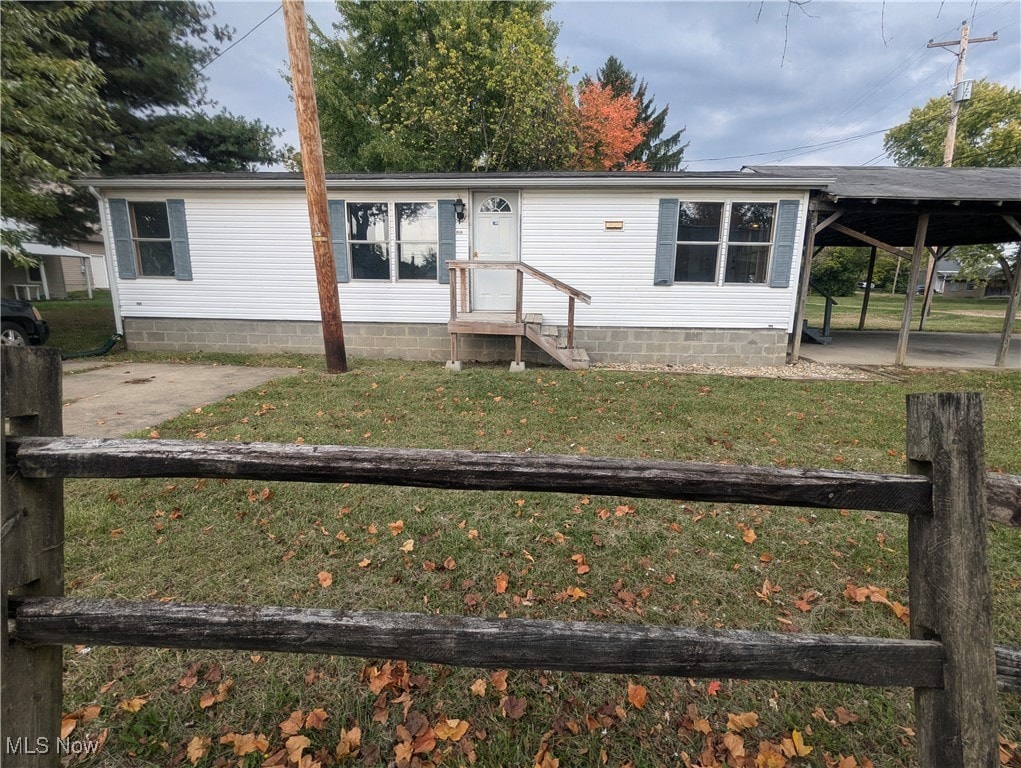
(949, 660)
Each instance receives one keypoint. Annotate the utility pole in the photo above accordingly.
(315, 183)
(960, 93)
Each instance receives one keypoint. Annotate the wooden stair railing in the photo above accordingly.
(461, 306)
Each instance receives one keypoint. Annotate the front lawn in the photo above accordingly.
(521, 555)
(886, 313)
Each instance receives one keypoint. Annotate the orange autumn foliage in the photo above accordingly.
(608, 130)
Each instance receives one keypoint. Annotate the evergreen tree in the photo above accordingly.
(657, 152)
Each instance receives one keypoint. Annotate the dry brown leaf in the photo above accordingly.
(513, 707)
(450, 564)
(499, 680)
(395, 527)
(364, 563)
(749, 536)
(350, 741)
(478, 688)
(500, 582)
(743, 721)
(295, 746)
(198, 748)
(133, 705)
(408, 546)
(451, 730)
(325, 579)
(67, 725)
(734, 745)
(636, 695)
(292, 724)
(316, 719)
(845, 716)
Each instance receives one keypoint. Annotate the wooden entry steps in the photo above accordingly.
(552, 340)
(464, 318)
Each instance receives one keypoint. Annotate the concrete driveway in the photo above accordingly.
(103, 400)
(925, 350)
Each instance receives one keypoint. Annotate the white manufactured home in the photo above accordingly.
(660, 268)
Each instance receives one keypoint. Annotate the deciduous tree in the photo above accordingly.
(49, 94)
(608, 130)
(439, 86)
(988, 130)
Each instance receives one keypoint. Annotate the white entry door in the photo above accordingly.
(496, 239)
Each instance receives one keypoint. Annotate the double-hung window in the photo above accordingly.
(150, 235)
(698, 242)
(150, 238)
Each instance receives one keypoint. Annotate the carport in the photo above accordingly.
(931, 210)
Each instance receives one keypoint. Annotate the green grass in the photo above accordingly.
(80, 324)
(886, 313)
(659, 562)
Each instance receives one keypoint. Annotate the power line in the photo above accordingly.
(242, 38)
(792, 150)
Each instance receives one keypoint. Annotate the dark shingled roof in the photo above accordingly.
(966, 205)
(895, 183)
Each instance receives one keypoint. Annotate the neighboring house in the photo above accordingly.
(59, 271)
(680, 267)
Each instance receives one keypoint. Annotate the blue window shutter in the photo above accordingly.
(338, 234)
(179, 239)
(784, 244)
(666, 242)
(123, 248)
(447, 223)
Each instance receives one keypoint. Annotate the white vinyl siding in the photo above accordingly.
(251, 258)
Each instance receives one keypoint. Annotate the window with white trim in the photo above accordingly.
(150, 236)
(749, 242)
(379, 231)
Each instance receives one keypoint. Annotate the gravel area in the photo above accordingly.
(802, 370)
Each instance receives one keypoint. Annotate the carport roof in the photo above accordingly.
(966, 205)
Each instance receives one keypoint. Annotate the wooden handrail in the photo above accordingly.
(527, 269)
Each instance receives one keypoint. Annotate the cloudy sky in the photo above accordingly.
(813, 83)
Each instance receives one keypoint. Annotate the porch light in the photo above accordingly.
(459, 209)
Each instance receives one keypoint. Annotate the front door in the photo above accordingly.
(496, 239)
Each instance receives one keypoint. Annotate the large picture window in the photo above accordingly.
(749, 240)
(417, 237)
(150, 236)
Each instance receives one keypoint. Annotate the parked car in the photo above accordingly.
(22, 324)
(863, 285)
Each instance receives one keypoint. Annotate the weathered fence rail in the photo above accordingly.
(950, 660)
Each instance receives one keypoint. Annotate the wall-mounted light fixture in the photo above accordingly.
(459, 209)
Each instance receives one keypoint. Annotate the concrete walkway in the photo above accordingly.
(110, 400)
(925, 350)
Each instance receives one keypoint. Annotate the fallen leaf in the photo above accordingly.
(743, 721)
(499, 680)
(478, 688)
(292, 724)
(713, 688)
(513, 707)
(349, 743)
(636, 695)
(795, 746)
(198, 748)
(325, 579)
(67, 725)
(749, 536)
(701, 725)
(133, 705)
(246, 743)
(500, 582)
(844, 716)
(450, 564)
(295, 746)
(395, 527)
(734, 745)
(408, 546)
(451, 730)
(316, 719)
(364, 563)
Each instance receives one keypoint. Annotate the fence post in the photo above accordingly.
(948, 581)
(31, 560)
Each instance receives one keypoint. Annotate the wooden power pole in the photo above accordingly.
(956, 96)
(315, 183)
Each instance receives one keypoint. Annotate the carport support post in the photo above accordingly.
(806, 276)
(1014, 284)
(909, 299)
(31, 559)
(948, 581)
